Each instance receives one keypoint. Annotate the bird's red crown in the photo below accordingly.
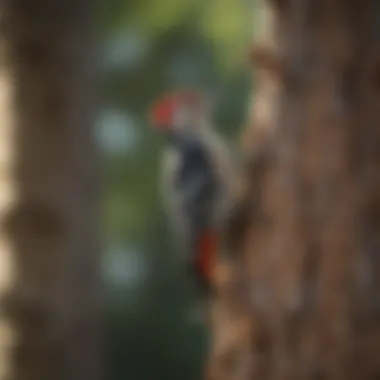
(163, 109)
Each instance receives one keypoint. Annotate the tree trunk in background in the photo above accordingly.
(49, 257)
(304, 299)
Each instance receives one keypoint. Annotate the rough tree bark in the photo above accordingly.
(49, 257)
(303, 299)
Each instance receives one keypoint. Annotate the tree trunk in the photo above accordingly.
(303, 301)
(49, 257)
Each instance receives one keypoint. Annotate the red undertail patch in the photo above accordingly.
(207, 252)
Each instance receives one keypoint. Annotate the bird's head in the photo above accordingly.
(181, 112)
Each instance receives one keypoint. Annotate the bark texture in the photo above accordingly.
(50, 296)
(303, 299)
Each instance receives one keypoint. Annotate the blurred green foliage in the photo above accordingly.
(148, 47)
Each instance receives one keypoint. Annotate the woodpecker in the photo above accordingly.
(196, 180)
